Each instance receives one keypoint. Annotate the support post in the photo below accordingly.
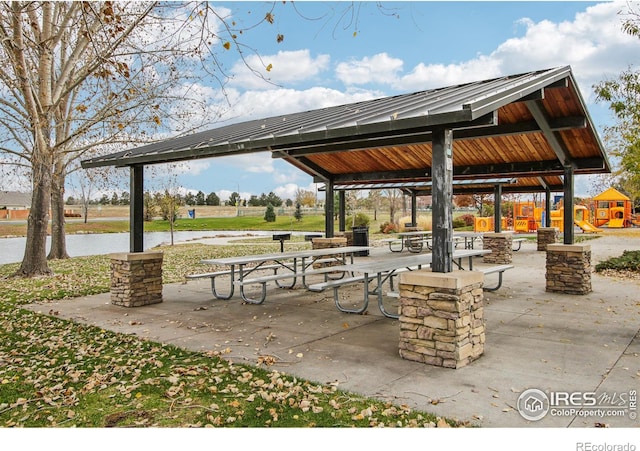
(568, 205)
(414, 208)
(547, 207)
(341, 210)
(497, 220)
(136, 209)
(329, 210)
(442, 192)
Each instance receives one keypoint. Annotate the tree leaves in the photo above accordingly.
(55, 372)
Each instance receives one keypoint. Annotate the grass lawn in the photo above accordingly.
(58, 373)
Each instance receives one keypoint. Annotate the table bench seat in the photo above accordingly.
(286, 275)
(519, 241)
(379, 277)
(500, 269)
(226, 272)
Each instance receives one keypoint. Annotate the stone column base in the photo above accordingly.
(325, 243)
(501, 247)
(546, 236)
(136, 278)
(442, 317)
(569, 268)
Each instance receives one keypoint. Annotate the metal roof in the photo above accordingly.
(528, 126)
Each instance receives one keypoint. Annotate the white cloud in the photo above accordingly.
(260, 104)
(286, 191)
(380, 68)
(289, 190)
(285, 67)
(438, 75)
(592, 44)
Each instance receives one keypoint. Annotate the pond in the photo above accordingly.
(107, 243)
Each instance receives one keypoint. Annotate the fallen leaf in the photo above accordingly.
(442, 423)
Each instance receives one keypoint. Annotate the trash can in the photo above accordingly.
(361, 238)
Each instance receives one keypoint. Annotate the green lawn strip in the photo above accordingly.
(58, 373)
(310, 223)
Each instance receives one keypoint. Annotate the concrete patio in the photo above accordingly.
(534, 339)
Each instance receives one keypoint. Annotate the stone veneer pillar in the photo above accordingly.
(136, 278)
(569, 268)
(501, 247)
(442, 317)
(348, 235)
(325, 243)
(547, 235)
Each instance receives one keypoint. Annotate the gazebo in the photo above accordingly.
(531, 128)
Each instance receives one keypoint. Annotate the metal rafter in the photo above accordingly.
(544, 123)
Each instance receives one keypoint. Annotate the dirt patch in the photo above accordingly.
(131, 418)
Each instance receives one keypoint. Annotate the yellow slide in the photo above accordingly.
(587, 226)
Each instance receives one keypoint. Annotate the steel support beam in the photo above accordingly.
(442, 191)
(547, 207)
(543, 121)
(341, 210)
(414, 208)
(497, 208)
(568, 205)
(136, 209)
(329, 210)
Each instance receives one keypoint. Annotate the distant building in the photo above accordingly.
(14, 205)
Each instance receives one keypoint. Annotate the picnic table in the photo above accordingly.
(413, 241)
(469, 238)
(378, 272)
(295, 264)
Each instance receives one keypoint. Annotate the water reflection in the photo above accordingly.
(12, 249)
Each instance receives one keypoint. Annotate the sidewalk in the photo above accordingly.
(534, 339)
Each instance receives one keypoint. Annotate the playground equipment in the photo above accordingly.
(486, 224)
(580, 218)
(527, 217)
(613, 209)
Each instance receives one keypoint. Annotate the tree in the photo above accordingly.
(463, 200)
(298, 213)
(124, 198)
(150, 206)
(270, 214)
(234, 199)
(213, 199)
(394, 198)
(83, 77)
(200, 198)
(80, 76)
(273, 199)
(623, 96)
(374, 201)
(305, 198)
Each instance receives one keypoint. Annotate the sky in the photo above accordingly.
(338, 52)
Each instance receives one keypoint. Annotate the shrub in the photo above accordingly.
(468, 219)
(270, 214)
(424, 222)
(459, 222)
(628, 261)
(361, 220)
(388, 227)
